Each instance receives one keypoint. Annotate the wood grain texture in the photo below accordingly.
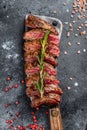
(55, 119)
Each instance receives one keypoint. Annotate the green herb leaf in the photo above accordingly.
(40, 84)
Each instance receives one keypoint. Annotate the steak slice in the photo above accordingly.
(46, 100)
(50, 59)
(33, 34)
(52, 88)
(51, 80)
(31, 92)
(35, 22)
(31, 57)
(54, 39)
(32, 79)
(53, 51)
(49, 69)
(31, 69)
(32, 46)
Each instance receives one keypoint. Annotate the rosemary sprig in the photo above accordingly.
(40, 84)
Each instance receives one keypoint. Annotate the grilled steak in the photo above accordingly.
(41, 49)
(35, 22)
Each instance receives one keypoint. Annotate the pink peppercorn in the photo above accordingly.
(17, 102)
(6, 105)
(11, 86)
(16, 85)
(6, 89)
(22, 81)
(15, 128)
(10, 126)
(47, 112)
(32, 113)
(8, 78)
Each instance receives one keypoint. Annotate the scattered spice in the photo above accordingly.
(71, 78)
(32, 113)
(82, 33)
(8, 78)
(9, 121)
(68, 34)
(65, 52)
(76, 84)
(64, 4)
(67, 10)
(10, 126)
(22, 81)
(17, 102)
(78, 52)
(71, 16)
(78, 43)
(79, 27)
(76, 35)
(11, 86)
(68, 88)
(85, 24)
(6, 105)
(16, 85)
(54, 11)
(47, 112)
(84, 50)
(69, 43)
(66, 23)
(17, 114)
(6, 89)
(70, 25)
(73, 21)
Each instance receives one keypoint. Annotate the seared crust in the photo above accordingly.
(35, 22)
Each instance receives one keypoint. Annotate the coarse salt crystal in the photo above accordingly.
(54, 11)
(78, 52)
(68, 34)
(71, 16)
(84, 50)
(68, 88)
(70, 25)
(64, 3)
(70, 78)
(74, 21)
(78, 43)
(65, 52)
(69, 43)
(76, 84)
(66, 22)
(76, 35)
(67, 10)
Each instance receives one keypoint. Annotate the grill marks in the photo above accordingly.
(32, 48)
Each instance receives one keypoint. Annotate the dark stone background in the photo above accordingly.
(74, 101)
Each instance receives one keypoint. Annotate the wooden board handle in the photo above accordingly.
(55, 119)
